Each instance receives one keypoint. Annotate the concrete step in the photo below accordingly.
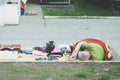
(55, 1)
(64, 7)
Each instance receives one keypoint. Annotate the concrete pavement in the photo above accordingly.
(34, 30)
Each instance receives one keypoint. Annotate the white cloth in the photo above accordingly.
(64, 45)
(76, 50)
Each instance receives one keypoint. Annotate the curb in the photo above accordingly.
(81, 17)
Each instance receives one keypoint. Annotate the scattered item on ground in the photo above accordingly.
(18, 50)
(50, 46)
(40, 49)
(42, 46)
(15, 45)
(27, 50)
(31, 12)
(6, 49)
(64, 48)
(40, 59)
(38, 53)
(65, 57)
(63, 51)
(8, 55)
(37, 48)
(52, 58)
(55, 54)
(56, 51)
(10, 47)
(6, 46)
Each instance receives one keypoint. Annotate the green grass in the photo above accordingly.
(81, 9)
(60, 12)
(6, 78)
(59, 71)
(105, 77)
(114, 72)
(20, 69)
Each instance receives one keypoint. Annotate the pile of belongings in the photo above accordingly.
(10, 51)
(43, 52)
(61, 52)
(31, 12)
(50, 52)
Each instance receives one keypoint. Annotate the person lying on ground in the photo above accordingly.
(91, 49)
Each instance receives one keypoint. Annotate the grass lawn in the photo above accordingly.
(81, 9)
(59, 71)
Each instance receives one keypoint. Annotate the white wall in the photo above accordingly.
(1, 16)
(11, 14)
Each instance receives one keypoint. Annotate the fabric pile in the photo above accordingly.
(86, 49)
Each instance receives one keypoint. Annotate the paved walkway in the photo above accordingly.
(35, 7)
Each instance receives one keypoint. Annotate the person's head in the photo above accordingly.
(83, 55)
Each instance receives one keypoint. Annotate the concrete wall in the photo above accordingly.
(1, 16)
(9, 13)
(1, 13)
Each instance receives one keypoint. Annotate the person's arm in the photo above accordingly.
(76, 50)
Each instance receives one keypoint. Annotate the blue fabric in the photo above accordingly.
(22, 11)
(27, 51)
